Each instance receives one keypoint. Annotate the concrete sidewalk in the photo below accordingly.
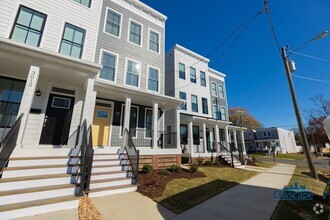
(252, 199)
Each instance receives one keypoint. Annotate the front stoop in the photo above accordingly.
(110, 173)
(227, 158)
(36, 185)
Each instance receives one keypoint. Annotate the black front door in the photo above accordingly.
(57, 120)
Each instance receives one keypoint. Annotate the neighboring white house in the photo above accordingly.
(326, 123)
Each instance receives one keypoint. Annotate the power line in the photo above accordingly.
(266, 6)
(309, 56)
(311, 79)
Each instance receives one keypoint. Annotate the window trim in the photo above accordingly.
(147, 83)
(121, 118)
(145, 122)
(216, 89)
(159, 40)
(223, 91)
(100, 62)
(16, 18)
(89, 6)
(184, 70)
(105, 22)
(200, 74)
(194, 103)
(61, 41)
(130, 20)
(191, 80)
(126, 67)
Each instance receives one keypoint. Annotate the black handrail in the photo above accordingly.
(223, 148)
(240, 152)
(8, 144)
(132, 154)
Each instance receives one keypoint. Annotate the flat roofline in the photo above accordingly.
(185, 50)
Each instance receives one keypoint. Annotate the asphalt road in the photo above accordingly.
(320, 163)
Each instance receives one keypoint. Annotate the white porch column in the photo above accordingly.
(227, 137)
(89, 102)
(154, 125)
(204, 137)
(127, 113)
(191, 138)
(217, 138)
(27, 99)
(243, 142)
(177, 128)
(235, 138)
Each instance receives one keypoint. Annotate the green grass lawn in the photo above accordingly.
(295, 156)
(304, 209)
(264, 164)
(182, 194)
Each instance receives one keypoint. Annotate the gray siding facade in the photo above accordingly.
(267, 133)
(222, 102)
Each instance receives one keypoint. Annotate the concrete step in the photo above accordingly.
(107, 168)
(25, 171)
(110, 162)
(112, 190)
(42, 161)
(98, 156)
(110, 182)
(36, 207)
(108, 175)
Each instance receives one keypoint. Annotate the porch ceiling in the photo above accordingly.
(202, 120)
(120, 93)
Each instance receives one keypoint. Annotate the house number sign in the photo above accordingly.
(31, 78)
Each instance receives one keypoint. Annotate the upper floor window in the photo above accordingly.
(133, 73)
(86, 3)
(194, 103)
(153, 79)
(214, 89)
(205, 106)
(216, 113)
(192, 75)
(267, 134)
(203, 79)
(113, 23)
(183, 96)
(29, 26)
(135, 33)
(108, 70)
(221, 92)
(154, 41)
(182, 71)
(72, 41)
(223, 114)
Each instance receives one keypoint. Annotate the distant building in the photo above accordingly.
(327, 126)
(262, 139)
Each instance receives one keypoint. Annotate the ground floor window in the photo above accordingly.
(11, 93)
(196, 135)
(184, 134)
(148, 123)
(133, 120)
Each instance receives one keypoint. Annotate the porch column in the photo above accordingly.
(204, 137)
(217, 138)
(235, 138)
(27, 99)
(243, 142)
(191, 138)
(177, 128)
(227, 137)
(127, 113)
(154, 125)
(89, 102)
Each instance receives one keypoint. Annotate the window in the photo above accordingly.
(196, 135)
(182, 71)
(72, 41)
(267, 134)
(28, 27)
(113, 23)
(216, 113)
(59, 102)
(169, 135)
(221, 92)
(183, 96)
(108, 70)
(132, 74)
(135, 33)
(203, 79)
(214, 89)
(223, 114)
(184, 134)
(133, 120)
(148, 123)
(192, 75)
(86, 3)
(102, 114)
(205, 106)
(194, 103)
(11, 92)
(153, 79)
(154, 41)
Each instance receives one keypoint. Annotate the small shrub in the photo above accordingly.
(147, 168)
(208, 162)
(164, 172)
(253, 158)
(194, 167)
(200, 161)
(174, 168)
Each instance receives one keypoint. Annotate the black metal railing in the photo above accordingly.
(224, 150)
(8, 143)
(133, 155)
(6, 122)
(85, 145)
(141, 137)
(167, 140)
(239, 155)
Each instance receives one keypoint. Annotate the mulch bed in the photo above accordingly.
(153, 184)
(87, 211)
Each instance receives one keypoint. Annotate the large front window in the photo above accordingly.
(182, 71)
(153, 79)
(196, 135)
(108, 70)
(194, 103)
(149, 123)
(72, 41)
(11, 92)
(184, 134)
(132, 74)
(135, 33)
(28, 27)
(192, 75)
(113, 23)
(132, 120)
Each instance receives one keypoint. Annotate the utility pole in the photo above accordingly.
(240, 113)
(298, 116)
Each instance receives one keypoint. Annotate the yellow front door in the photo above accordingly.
(101, 126)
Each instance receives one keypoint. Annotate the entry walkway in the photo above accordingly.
(252, 199)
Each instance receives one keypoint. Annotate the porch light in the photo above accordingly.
(38, 93)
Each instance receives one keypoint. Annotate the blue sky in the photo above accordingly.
(255, 73)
